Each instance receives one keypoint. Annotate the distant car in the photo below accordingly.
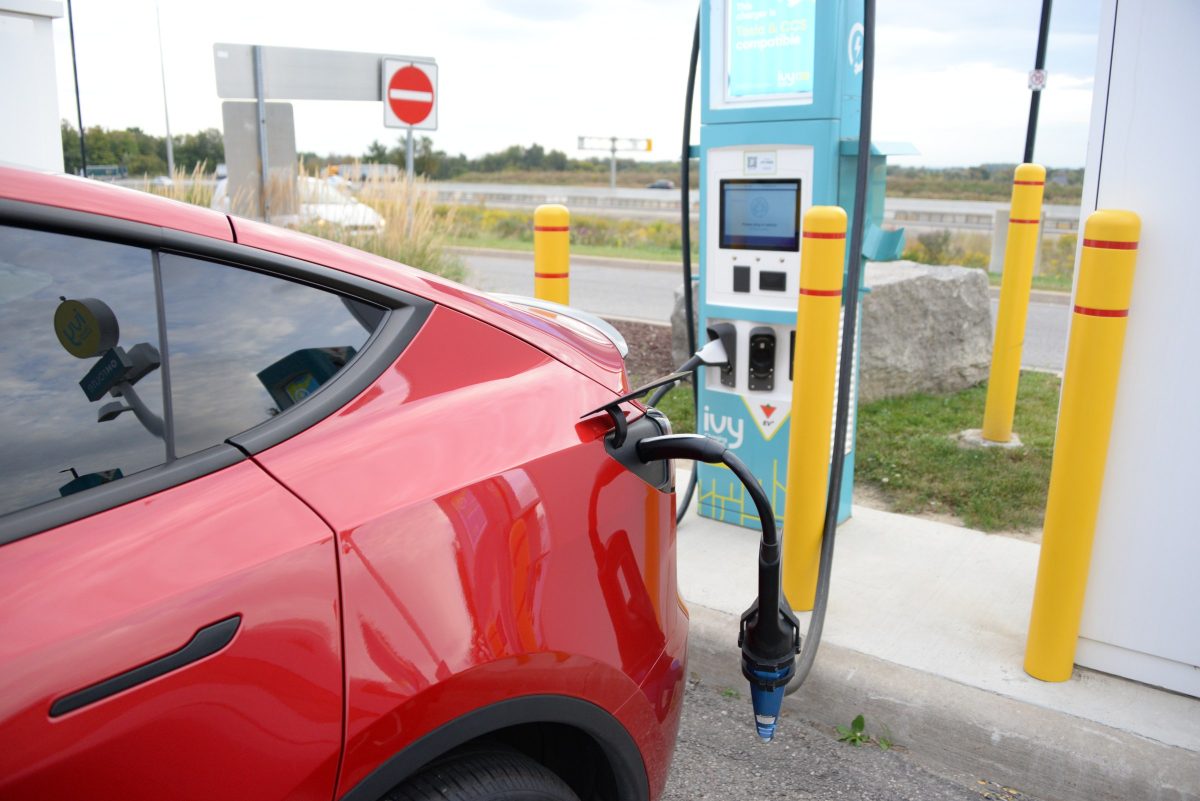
(661, 183)
(324, 201)
(162, 180)
(281, 519)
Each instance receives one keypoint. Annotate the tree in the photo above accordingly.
(377, 153)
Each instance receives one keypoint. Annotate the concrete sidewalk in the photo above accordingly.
(925, 634)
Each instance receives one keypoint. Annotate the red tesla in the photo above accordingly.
(280, 519)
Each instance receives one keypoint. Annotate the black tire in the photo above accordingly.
(484, 776)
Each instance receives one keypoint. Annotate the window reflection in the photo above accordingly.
(54, 440)
(245, 346)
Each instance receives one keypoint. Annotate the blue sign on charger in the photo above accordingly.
(770, 49)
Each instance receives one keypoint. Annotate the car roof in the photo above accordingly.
(594, 358)
(97, 197)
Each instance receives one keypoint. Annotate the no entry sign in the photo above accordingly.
(410, 94)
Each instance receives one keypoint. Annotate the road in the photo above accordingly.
(647, 293)
(718, 757)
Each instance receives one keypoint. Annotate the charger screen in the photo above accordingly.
(760, 215)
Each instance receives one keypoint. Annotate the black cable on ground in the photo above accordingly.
(846, 367)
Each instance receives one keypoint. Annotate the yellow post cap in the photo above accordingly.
(1034, 173)
(1112, 225)
(825, 220)
(551, 215)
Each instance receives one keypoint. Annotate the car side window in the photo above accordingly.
(80, 367)
(245, 346)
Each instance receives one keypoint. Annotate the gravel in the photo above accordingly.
(718, 756)
(649, 350)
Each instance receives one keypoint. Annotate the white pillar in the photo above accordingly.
(30, 135)
(1141, 611)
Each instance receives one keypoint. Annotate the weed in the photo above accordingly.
(856, 735)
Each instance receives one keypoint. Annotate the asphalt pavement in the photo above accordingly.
(646, 291)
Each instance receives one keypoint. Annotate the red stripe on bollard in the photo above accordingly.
(1107, 245)
(821, 293)
(551, 275)
(1023, 222)
(552, 228)
(823, 235)
(1101, 312)
(1029, 183)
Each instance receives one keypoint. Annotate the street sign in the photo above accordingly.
(293, 73)
(410, 94)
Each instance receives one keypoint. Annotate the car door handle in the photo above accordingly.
(204, 642)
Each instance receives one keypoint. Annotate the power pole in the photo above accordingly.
(78, 107)
(614, 144)
(1037, 81)
(162, 69)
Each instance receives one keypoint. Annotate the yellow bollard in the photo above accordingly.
(552, 253)
(814, 370)
(1024, 225)
(1085, 413)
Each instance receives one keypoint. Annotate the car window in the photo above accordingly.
(245, 346)
(80, 379)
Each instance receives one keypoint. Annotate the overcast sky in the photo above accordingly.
(950, 74)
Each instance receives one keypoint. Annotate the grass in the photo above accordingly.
(677, 405)
(641, 253)
(415, 231)
(1050, 283)
(907, 450)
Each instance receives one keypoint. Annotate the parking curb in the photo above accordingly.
(945, 725)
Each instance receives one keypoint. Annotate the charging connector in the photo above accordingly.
(769, 635)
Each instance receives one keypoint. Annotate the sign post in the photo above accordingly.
(409, 100)
(613, 144)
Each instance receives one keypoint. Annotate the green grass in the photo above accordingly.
(677, 405)
(907, 450)
(1052, 283)
(643, 253)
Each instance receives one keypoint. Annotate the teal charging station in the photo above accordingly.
(781, 86)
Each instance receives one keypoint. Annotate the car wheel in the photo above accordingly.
(490, 776)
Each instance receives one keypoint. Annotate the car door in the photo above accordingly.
(169, 611)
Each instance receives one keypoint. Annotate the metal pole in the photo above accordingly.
(78, 106)
(408, 155)
(1036, 93)
(259, 99)
(612, 175)
(166, 115)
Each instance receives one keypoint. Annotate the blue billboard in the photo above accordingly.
(770, 49)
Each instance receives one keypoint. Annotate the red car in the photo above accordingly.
(280, 519)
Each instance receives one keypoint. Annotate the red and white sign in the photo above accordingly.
(410, 94)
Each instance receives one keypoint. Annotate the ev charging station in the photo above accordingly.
(781, 85)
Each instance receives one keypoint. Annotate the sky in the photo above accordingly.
(950, 74)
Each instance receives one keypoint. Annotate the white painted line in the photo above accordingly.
(408, 94)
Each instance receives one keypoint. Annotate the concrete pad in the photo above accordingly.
(948, 608)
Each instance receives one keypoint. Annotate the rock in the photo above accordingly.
(924, 329)
(679, 344)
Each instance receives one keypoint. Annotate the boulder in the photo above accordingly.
(679, 344)
(924, 329)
